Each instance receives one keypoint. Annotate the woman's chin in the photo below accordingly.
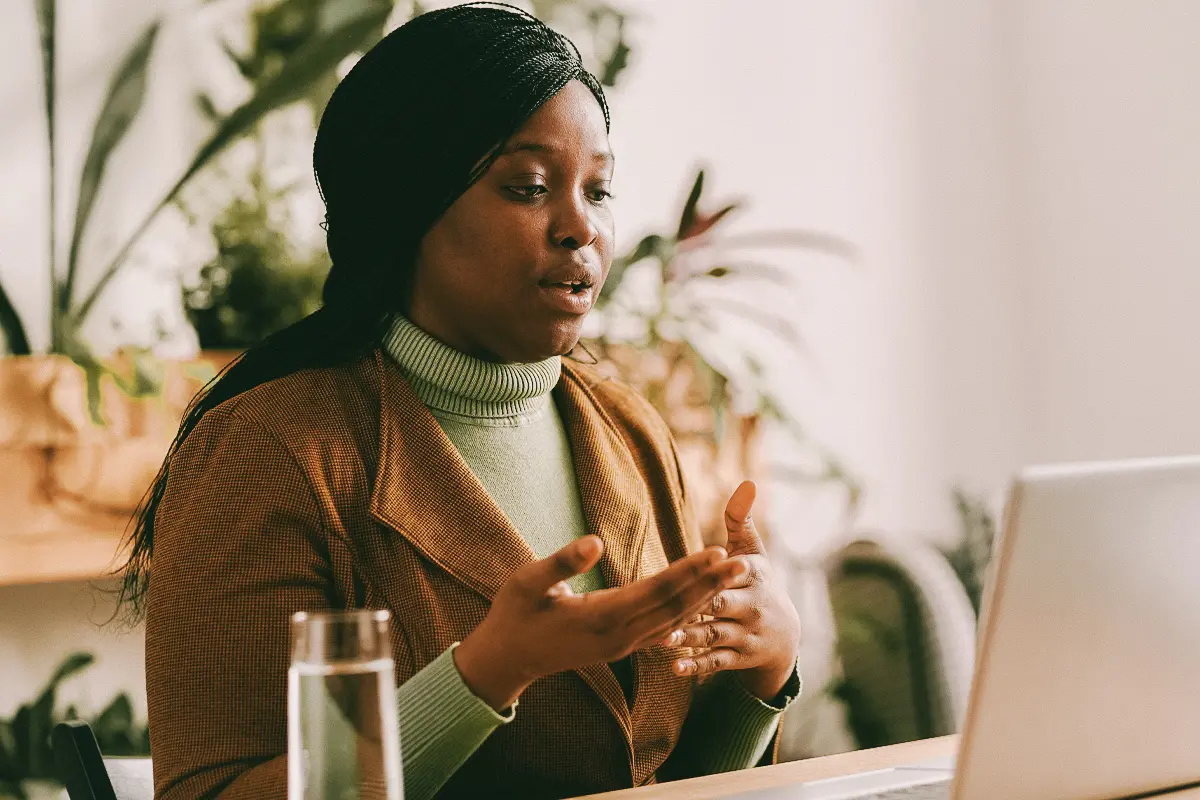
(558, 340)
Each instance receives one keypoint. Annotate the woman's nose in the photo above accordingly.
(575, 228)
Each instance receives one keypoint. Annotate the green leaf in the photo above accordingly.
(69, 666)
(114, 727)
(207, 107)
(308, 64)
(33, 723)
(747, 269)
(688, 217)
(15, 340)
(46, 12)
(652, 245)
(9, 766)
(618, 58)
(126, 93)
(702, 224)
(796, 239)
(246, 67)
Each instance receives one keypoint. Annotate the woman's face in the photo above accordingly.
(512, 268)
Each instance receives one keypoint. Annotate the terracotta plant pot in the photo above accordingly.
(70, 486)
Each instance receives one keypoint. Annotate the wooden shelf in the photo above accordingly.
(49, 559)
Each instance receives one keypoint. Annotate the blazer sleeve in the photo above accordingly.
(238, 548)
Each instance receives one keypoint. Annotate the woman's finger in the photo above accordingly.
(710, 662)
(741, 605)
(709, 635)
(691, 600)
(661, 588)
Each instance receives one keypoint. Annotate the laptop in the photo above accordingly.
(1087, 684)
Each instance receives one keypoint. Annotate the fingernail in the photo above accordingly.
(674, 638)
(685, 666)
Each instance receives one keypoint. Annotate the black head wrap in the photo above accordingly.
(416, 121)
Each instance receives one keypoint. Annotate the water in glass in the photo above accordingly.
(343, 739)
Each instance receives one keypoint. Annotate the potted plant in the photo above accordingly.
(82, 436)
(668, 343)
(27, 766)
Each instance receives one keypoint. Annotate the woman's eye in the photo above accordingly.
(527, 192)
(600, 195)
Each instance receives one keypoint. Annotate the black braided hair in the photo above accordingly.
(414, 124)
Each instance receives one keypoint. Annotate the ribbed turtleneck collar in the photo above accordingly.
(453, 382)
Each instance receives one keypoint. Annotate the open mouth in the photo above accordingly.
(574, 287)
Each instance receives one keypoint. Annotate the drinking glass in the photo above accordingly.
(343, 732)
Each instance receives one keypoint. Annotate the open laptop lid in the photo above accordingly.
(1088, 673)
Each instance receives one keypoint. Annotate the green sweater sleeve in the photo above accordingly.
(727, 728)
(441, 724)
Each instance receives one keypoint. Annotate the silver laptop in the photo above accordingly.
(1087, 682)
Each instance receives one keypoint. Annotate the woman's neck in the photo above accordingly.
(450, 381)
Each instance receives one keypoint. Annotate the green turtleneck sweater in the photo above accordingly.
(499, 416)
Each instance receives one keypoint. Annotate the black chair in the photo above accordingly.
(89, 776)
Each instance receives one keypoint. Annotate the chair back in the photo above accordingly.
(87, 775)
(906, 640)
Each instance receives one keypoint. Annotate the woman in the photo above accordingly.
(419, 445)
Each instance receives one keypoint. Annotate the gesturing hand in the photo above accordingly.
(537, 626)
(755, 627)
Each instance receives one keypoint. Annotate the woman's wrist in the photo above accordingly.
(488, 675)
(766, 682)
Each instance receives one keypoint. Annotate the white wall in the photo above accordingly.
(879, 123)
(41, 625)
(1107, 146)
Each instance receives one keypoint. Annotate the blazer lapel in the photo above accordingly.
(615, 501)
(616, 507)
(426, 492)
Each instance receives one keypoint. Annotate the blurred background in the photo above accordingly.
(875, 255)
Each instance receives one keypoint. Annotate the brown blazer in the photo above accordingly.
(336, 488)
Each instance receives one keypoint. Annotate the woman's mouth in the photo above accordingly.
(572, 297)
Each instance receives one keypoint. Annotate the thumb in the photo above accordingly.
(739, 524)
(575, 559)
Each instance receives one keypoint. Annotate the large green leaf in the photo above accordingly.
(9, 767)
(33, 722)
(114, 728)
(126, 93)
(69, 666)
(689, 208)
(309, 63)
(47, 12)
(652, 245)
(11, 327)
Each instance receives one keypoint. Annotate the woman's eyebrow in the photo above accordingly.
(541, 147)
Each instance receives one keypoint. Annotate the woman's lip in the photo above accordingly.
(559, 296)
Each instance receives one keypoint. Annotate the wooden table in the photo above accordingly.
(793, 772)
(730, 784)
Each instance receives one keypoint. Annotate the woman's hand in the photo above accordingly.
(755, 627)
(537, 626)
